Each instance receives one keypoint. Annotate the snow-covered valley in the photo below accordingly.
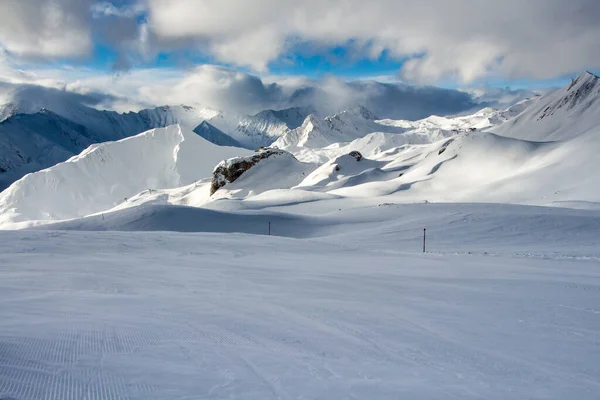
(184, 262)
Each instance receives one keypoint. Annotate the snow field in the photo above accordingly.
(109, 315)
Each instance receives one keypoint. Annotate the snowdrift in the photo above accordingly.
(105, 175)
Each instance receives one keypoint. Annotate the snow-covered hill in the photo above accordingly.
(105, 175)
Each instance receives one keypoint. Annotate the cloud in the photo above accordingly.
(463, 40)
(460, 40)
(229, 90)
(108, 9)
(46, 28)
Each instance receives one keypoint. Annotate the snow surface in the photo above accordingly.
(505, 305)
(133, 282)
(105, 175)
(40, 127)
(559, 115)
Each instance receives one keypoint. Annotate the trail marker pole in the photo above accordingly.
(424, 238)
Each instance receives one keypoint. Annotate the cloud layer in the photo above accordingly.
(229, 90)
(460, 40)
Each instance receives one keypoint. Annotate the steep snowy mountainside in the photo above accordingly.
(30, 142)
(292, 117)
(104, 175)
(262, 129)
(41, 127)
(559, 115)
(215, 135)
(21, 140)
(319, 140)
(345, 126)
(485, 118)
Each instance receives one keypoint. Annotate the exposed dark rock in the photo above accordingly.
(356, 155)
(230, 170)
(445, 146)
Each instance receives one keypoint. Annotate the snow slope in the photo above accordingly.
(48, 126)
(104, 175)
(504, 306)
(40, 127)
(342, 127)
(485, 167)
(559, 115)
(438, 159)
(262, 129)
(468, 167)
(216, 136)
(278, 171)
(306, 279)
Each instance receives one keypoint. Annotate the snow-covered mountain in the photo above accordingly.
(483, 157)
(107, 174)
(262, 129)
(345, 126)
(40, 127)
(559, 115)
(215, 135)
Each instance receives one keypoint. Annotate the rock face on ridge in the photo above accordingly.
(228, 171)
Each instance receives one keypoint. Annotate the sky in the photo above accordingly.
(138, 50)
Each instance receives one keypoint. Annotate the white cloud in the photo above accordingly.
(45, 28)
(461, 39)
(225, 89)
(108, 9)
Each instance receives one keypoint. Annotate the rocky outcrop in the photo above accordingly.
(229, 171)
(356, 154)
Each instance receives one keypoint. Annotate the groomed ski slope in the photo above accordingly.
(504, 305)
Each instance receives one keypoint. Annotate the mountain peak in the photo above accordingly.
(588, 74)
(584, 78)
(363, 112)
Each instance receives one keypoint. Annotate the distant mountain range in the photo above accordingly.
(40, 127)
(540, 151)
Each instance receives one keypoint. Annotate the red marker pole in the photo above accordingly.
(424, 238)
